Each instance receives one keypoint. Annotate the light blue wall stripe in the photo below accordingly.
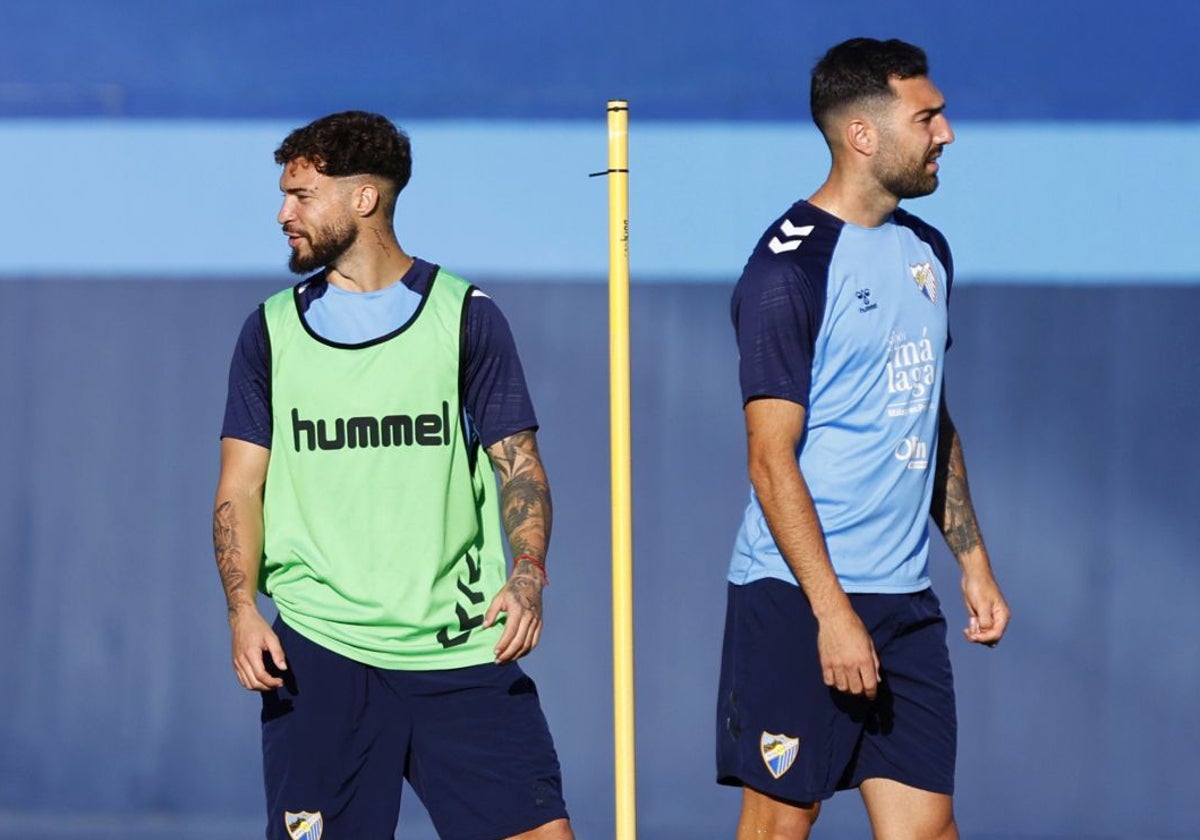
(1057, 202)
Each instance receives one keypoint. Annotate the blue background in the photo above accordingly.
(138, 231)
(708, 60)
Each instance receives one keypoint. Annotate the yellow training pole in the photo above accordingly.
(622, 506)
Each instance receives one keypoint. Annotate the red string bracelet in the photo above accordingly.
(540, 564)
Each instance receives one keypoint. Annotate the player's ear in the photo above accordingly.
(366, 199)
(861, 136)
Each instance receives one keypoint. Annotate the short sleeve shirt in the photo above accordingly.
(850, 323)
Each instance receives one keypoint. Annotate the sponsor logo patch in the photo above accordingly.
(913, 452)
(911, 371)
(926, 280)
(303, 825)
(778, 752)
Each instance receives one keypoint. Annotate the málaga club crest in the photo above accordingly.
(926, 280)
(778, 752)
(303, 825)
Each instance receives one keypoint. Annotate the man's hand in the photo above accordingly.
(252, 638)
(986, 607)
(521, 601)
(848, 660)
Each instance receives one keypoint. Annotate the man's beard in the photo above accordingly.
(326, 246)
(905, 180)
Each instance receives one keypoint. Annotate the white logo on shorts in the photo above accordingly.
(778, 752)
(303, 825)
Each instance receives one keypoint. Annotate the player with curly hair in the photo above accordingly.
(379, 442)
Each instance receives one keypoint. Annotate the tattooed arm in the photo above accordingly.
(237, 544)
(525, 506)
(954, 514)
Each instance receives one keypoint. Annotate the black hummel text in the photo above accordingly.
(371, 432)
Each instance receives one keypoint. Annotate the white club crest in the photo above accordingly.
(926, 280)
(778, 752)
(304, 825)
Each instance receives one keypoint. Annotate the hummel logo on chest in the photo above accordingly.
(795, 235)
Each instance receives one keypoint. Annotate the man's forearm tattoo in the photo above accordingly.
(953, 510)
(526, 585)
(228, 555)
(524, 500)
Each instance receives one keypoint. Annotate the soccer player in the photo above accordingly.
(835, 672)
(370, 410)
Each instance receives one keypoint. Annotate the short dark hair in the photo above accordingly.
(860, 69)
(351, 143)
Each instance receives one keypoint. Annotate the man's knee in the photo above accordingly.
(934, 827)
(899, 812)
(766, 818)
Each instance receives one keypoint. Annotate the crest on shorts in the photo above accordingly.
(926, 280)
(303, 825)
(778, 752)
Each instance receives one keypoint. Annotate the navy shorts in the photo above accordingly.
(784, 733)
(340, 736)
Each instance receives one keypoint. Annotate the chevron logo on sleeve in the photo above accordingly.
(794, 236)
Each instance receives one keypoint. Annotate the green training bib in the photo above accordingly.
(382, 526)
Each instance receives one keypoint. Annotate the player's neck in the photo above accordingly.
(855, 198)
(374, 262)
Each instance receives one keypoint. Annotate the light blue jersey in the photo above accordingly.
(345, 317)
(851, 323)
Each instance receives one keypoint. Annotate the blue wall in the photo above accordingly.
(1022, 59)
(118, 694)
(138, 230)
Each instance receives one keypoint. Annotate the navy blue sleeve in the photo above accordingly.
(943, 252)
(942, 248)
(777, 313)
(495, 395)
(248, 400)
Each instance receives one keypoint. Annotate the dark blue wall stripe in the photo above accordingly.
(117, 693)
(542, 59)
